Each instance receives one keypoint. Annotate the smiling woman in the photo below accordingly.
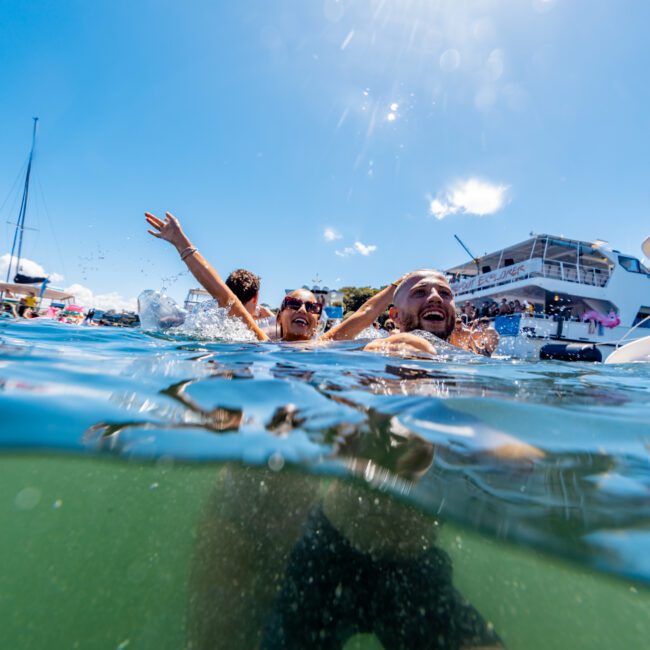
(299, 316)
(300, 312)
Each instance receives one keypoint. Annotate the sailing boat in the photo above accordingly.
(17, 282)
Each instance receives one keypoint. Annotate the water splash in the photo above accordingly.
(207, 320)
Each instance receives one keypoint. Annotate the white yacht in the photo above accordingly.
(564, 291)
(195, 297)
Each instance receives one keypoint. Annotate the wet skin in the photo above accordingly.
(298, 325)
(425, 301)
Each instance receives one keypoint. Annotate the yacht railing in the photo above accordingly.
(574, 273)
(534, 267)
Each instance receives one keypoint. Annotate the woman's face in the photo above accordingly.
(299, 319)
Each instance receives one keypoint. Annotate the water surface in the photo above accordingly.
(118, 448)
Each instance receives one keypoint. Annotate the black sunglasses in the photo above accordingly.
(295, 304)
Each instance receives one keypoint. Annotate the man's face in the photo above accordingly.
(425, 301)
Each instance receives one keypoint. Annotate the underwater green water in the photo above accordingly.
(99, 554)
(158, 491)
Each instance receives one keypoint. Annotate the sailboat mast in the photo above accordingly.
(17, 246)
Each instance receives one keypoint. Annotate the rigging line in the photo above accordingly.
(13, 193)
(26, 191)
(10, 225)
(20, 175)
(18, 233)
(49, 220)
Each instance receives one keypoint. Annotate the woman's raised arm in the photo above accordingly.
(170, 230)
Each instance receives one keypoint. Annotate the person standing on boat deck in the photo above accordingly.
(27, 302)
(423, 300)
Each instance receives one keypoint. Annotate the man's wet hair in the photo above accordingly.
(244, 284)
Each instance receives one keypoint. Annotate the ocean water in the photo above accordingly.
(155, 487)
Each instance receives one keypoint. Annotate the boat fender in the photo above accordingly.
(570, 352)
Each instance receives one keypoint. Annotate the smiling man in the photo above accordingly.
(424, 301)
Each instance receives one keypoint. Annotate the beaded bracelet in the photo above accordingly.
(190, 250)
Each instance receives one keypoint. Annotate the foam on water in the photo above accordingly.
(207, 320)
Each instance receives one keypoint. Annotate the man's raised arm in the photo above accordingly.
(364, 317)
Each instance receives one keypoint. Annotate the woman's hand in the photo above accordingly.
(170, 230)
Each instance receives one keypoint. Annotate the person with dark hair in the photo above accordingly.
(299, 315)
(389, 325)
(170, 230)
(246, 286)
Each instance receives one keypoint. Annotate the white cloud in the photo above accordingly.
(331, 235)
(471, 196)
(27, 267)
(85, 297)
(363, 249)
(441, 210)
(358, 247)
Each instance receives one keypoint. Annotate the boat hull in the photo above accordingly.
(523, 336)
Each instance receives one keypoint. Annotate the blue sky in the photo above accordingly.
(393, 123)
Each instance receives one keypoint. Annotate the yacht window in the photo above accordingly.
(644, 313)
(630, 264)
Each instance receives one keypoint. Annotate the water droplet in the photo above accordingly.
(450, 60)
(495, 64)
(57, 504)
(391, 117)
(347, 39)
(153, 486)
(165, 462)
(276, 461)
(28, 498)
(394, 106)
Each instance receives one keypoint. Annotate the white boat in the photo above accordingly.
(577, 292)
(195, 297)
(17, 284)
